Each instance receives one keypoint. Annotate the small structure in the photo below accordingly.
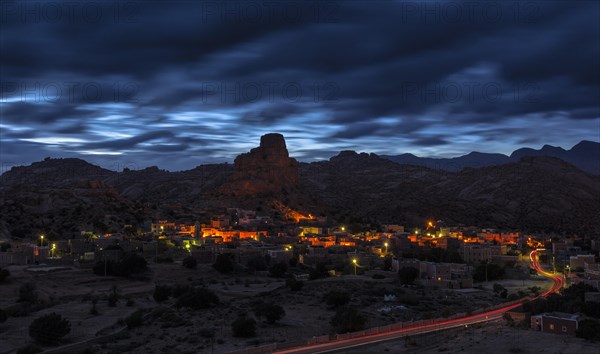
(555, 322)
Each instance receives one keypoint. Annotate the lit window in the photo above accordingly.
(551, 327)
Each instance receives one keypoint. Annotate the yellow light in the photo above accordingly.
(385, 244)
(354, 261)
(42, 237)
(54, 246)
(430, 224)
(343, 228)
(439, 278)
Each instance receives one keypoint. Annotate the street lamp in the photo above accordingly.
(386, 247)
(53, 249)
(354, 262)
(343, 228)
(41, 240)
(187, 246)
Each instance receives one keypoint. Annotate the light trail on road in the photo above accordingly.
(432, 327)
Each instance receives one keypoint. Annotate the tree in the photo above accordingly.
(257, 263)
(588, 329)
(320, 271)
(49, 329)
(278, 269)
(337, 298)
(190, 262)
(4, 273)
(271, 312)
(28, 293)
(161, 293)
(294, 284)
(244, 327)
(348, 319)
(197, 298)
(224, 263)
(113, 297)
(407, 275)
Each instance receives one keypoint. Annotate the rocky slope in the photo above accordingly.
(65, 196)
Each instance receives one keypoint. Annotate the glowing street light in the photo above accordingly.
(41, 240)
(187, 246)
(354, 262)
(343, 228)
(386, 247)
(53, 249)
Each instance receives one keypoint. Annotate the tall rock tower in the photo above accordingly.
(267, 168)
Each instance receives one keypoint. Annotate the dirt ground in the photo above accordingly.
(170, 330)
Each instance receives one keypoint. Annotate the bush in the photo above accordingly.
(30, 349)
(27, 293)
(271, 312)
(198, 298)
(161, 293)
(130, 263)
(588, 329)
(4, 273)
(294, 284)
(494, 272)
(407, 275)
(378, 276)
(278, 269)
(320, 271)
(337, 298)
(244, 327)
(190, 262)
(257, 263)
(224, 263)
(49, 329)
(136, 319)
(348, 319)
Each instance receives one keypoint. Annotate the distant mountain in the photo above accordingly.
(62, 197)
(585, 155)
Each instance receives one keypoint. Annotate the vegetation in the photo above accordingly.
(49, 329)
(588, 329)
(4, 273)
(30, 349)
(337, 298)
(130, 263)
(257, 263)
(493, 271)
(407, 275)
(244, 327)
(190, 262)
(294, 284)
(271, 312)
(161, 293)
(28, 293)
(197, 298)
(278, 269)
(3, 316)
(348, 319)
(224, 263)
(320, 271)
(570, 300)
(136, 319)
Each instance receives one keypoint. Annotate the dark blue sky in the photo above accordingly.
(180, 83)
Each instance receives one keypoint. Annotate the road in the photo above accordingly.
(341, 345)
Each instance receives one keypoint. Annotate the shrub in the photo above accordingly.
(27, 293)
(190, 262)
(130, 263)
(337, 298)
(348, 319)
(161, 293)
(224, 263)
(278, 269)
(244, 327)
(136, 319)
(588, 329)
(294, 284)
(407, 275)
(49, 329)
(29, 349)
(271, 312)
(4, 273)
(378, 276)
(197, 298)
(257, 263)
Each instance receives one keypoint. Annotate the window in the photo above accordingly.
(552, 327)
(564, 328)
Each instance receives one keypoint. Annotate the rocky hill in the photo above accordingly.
(585, 155)
(66, 196)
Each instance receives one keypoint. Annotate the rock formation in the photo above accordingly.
(267, 168)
